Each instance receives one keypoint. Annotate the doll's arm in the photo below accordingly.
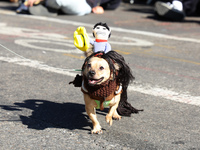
(91, 41)
(108, 48)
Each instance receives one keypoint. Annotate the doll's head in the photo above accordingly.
(101, 31)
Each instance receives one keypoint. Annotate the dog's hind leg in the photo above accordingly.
(90, 109)
(116, 116)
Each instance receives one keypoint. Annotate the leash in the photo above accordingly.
(30, 60)
(12, 52)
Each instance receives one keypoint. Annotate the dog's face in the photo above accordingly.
(96, 71)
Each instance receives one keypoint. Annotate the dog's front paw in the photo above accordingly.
(109, 119)
(97, 130)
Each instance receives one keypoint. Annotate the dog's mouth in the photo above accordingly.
(92, 81)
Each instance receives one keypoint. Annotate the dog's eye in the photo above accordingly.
(88, 65)
(101, 68)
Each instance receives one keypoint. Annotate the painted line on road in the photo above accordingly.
(167, 94)
(153, 91)
(145, 33)
(37, 65)
(167, 57)
(77, 24)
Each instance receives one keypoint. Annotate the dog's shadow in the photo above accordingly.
(48, 114)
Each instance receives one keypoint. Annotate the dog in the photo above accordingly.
(104, 81)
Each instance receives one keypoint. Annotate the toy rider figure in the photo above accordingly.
(101, 32)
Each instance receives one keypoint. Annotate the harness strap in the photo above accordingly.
(119, 90)
(84, 90)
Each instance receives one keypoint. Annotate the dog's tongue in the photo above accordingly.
(92, 81)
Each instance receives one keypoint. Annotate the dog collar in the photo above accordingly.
(99, 40)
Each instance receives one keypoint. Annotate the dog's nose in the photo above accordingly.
(92, 73)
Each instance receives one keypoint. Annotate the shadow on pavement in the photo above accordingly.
(47, 114)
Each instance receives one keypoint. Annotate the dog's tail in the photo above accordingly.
(125, 77)
(125, 108)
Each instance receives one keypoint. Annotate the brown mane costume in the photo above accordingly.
(102, 92)
(122, 75)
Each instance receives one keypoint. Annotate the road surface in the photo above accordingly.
(39, 110)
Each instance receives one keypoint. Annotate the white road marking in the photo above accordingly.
(167, 94)
(77, 24)
(132, 41)
(37, 65)
(26, 43)
(37, 37)
(145, 33)
(154, 91)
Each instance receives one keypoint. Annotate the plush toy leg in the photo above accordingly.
(89, 50)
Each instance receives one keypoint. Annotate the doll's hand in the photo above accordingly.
(98, 10)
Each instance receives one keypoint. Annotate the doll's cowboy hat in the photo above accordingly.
(81, 39)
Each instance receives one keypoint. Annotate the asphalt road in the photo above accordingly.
(39, 110)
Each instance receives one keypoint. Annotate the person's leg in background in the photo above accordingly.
(72, 7)
(110, 4)
(172, 10)
(69, 7)
(190, 6)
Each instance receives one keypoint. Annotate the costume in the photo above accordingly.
(105, 91)
(100, 45)
(101, 32)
